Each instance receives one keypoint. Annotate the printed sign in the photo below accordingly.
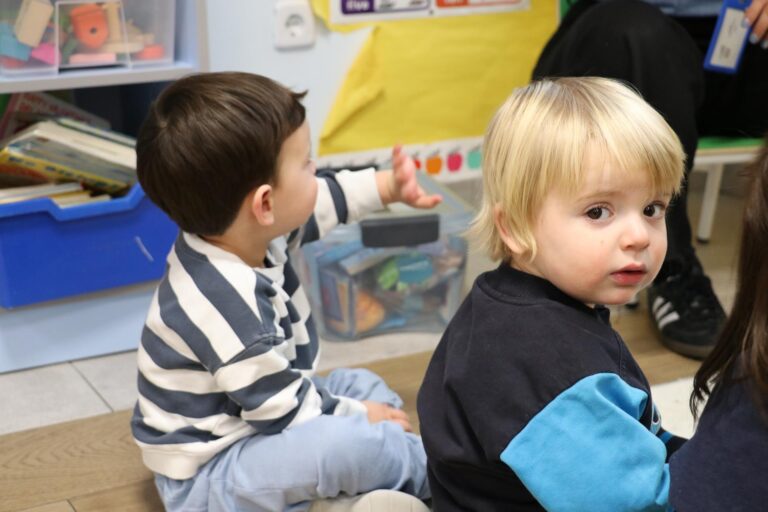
(355, 11)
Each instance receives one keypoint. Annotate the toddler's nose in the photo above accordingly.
(635, 235)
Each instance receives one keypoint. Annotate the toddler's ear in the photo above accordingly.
(262, 205)
(514, 246)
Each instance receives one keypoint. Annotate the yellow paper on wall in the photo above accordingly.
(422, 80)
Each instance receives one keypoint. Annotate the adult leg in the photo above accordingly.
(734, 105)
(634, 42)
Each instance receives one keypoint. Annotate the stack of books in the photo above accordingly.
(64, 150)
(63, 194)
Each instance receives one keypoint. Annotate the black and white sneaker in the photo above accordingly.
(685, 309)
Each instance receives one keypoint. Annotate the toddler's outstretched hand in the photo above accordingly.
(378, 411)
(400, 184)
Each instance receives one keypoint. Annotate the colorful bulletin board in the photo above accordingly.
(355, 11)
(431, 84)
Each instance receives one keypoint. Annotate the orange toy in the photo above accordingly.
(89, 24)
(151, 52)
(369, 313)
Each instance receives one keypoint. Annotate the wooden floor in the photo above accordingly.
(93, 465)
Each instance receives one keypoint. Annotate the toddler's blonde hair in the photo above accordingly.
(537, 142)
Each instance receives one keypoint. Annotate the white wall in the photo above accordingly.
(240, 38)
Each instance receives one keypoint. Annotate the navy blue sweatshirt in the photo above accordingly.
(533, 402)
(725, 464)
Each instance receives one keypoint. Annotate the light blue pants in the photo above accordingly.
(320, 458)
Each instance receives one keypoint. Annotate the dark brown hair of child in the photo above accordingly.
(208, 140)
(741, 352)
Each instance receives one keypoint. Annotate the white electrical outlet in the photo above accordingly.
(294, 24)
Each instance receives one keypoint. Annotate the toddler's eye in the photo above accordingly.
(654, 210)
(598, 212)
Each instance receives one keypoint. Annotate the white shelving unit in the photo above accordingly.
(110, 321)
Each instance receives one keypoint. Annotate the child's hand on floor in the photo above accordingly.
(382, 412)
(400, 184)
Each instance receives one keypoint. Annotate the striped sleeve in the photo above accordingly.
(272, 395)
(239, 326)
(342, 197)
(587, 450)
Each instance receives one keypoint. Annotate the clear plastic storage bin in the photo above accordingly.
(401, 270)
(44, 36)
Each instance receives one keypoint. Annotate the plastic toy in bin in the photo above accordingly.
(105, 33)
(28, 38)
(41, 35)
(390, 272)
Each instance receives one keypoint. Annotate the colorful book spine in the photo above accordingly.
(12, 162)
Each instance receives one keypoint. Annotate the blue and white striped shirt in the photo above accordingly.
(228, 350)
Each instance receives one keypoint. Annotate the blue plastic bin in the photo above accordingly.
(48, 252)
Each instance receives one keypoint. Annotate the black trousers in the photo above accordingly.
(663, 57)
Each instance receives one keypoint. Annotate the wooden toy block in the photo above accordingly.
(92, 59)
(10, 46)
(123, 46)
(89, 25)
(45, 52)
(114, 24)
(32, 21)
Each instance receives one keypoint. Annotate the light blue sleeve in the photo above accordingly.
(586, 450)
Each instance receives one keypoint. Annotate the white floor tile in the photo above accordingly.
(113, 377)
(47, 395)
(671, 399)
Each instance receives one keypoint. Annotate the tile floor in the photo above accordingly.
(89, 387)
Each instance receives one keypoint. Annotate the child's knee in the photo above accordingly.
(355, 375)
(352, 436)
(371, 456)
(358, 444)
(362, 384)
